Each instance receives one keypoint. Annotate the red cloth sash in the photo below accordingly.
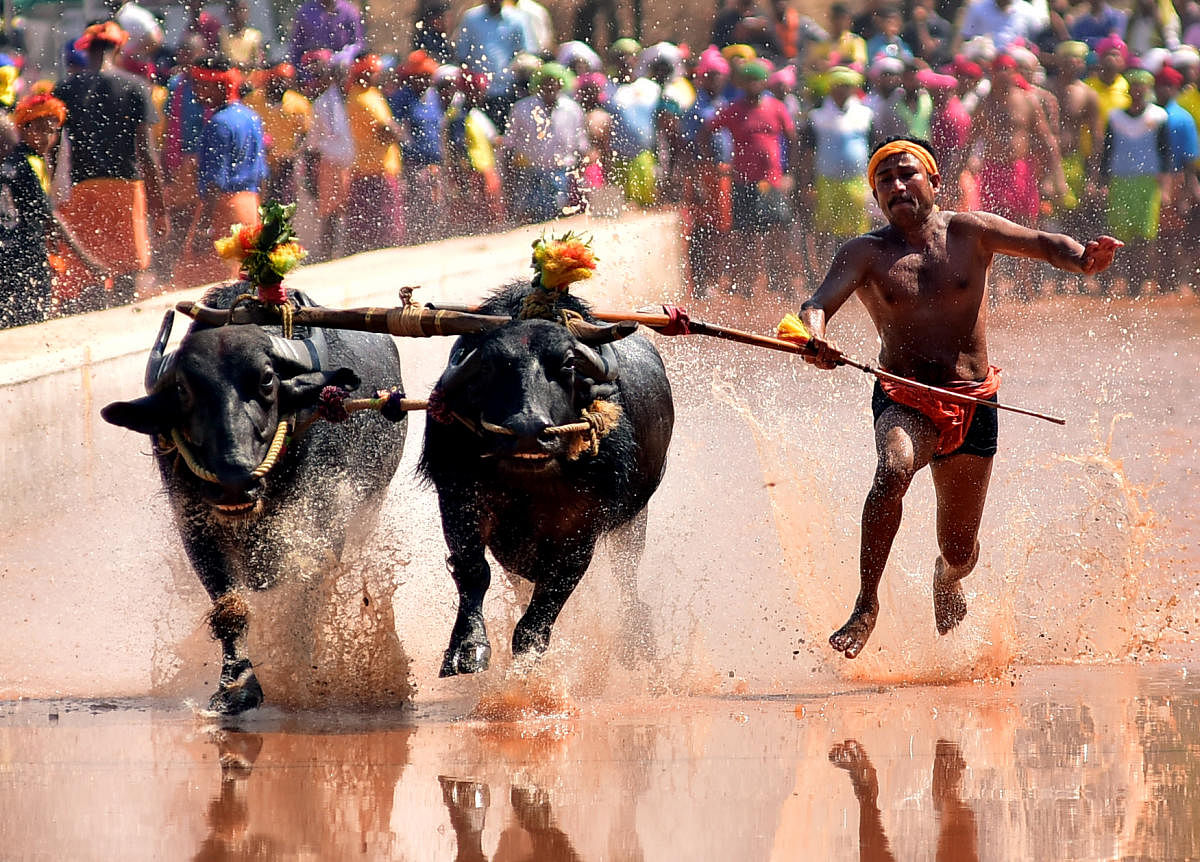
(951, 418)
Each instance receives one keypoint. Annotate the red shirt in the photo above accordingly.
(757, 132)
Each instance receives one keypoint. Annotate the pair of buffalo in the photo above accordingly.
(253, 480)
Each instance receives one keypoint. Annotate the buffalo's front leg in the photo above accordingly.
(469, 650)
(238, 689)
(555, 576)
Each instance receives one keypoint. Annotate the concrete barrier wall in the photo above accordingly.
(94, 592)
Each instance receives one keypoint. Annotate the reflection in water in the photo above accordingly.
(957, 841)
(228, 816)
(533, 837)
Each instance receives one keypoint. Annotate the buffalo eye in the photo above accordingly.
(266, 384)
(566, 369)
(184, 393)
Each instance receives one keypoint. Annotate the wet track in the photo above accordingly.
(746, 737)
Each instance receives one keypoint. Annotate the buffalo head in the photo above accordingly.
(518, 382)
(224, 393)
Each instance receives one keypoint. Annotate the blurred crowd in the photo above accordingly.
(119, 172)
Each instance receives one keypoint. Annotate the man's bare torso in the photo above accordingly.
(928, 303)
(1078, 105)
(1007, 125)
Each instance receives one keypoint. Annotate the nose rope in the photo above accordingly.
(201, 472)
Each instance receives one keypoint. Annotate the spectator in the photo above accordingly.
(328, 25)
(332, 145)
(27, 219)
(591, 92)
(760, 212)
(634, 109)
(1080, 131)
(1152, 24)
(1175, 249)
(10, 74)
(431, 31)
(1135, 166)
(850, 48)
(928, 34)
(1109, 82)
(793, 32)
(418, 111)
(199, 21)
(841, 133)
(240, 42)
(471, 140)
(742, 23)
(886, 76)
(231, 169)
(950, 134)
(1002, 21)
(702, 171)
(286, 118)
(887, 42)
(914, 107)
(548, 142)
(115, 177)
(1098, 21)
(490, 37)
(145, 40)
(541, 28)
(181, 149)
(375, 207)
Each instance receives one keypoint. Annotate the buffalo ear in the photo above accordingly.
(146, 415)
(302, 391)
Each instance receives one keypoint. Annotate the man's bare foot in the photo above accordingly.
(852, 637)
(949, 603)
(850, 756)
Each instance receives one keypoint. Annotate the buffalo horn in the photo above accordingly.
(296, 351)
(459, 373)
(600, 365)
(154, 365)
(603, 333)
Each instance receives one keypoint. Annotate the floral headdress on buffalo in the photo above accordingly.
(558, 262)
(267, 251)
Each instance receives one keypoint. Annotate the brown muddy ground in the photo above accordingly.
(1060, 721)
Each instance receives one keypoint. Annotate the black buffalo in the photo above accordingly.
(214, 408)
(506, 481)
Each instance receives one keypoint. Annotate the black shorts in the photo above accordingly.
(759, 210)
(982, 434)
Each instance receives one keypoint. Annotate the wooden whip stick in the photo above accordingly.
(660, 322)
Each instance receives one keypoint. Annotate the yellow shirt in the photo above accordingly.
(368, 114)
(284, 124)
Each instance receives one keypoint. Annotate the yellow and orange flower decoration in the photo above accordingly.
(267, 250)
(792, 328)
(561, 261)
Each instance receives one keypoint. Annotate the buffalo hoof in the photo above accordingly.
(239, 690)
(467, 658)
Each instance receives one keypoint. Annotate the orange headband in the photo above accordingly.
(917, 151)
(37, 106)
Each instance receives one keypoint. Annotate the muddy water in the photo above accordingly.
(743, 736)
(1056, 764)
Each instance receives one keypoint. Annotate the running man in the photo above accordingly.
(923, 280)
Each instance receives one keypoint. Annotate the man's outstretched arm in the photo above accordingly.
(846, 274)
(1000, 236)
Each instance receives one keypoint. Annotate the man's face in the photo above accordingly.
(1138, 95)
(40, 134)
(210, 94)
(904, 192)
(840, 93)
(887, 83)
(1112, 63)
(753, 88)
(548, 89)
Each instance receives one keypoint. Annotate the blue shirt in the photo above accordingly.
(488, 43)
(1136, 146)
(423, 116)
(191, 112)
(693, 119)
(232, 158)
(1181, 136)
(1093, 28)
(842, 137)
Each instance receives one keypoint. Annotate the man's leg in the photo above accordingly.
(961, 483)
(905, 441)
